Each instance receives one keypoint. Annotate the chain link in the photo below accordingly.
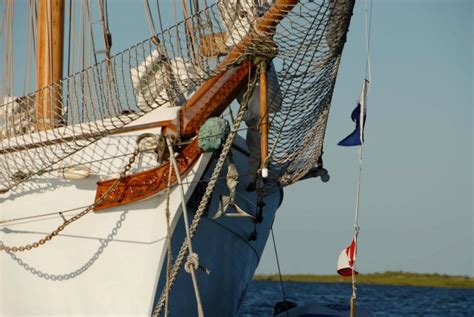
(67, 222)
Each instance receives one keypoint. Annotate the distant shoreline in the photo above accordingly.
(386, 278)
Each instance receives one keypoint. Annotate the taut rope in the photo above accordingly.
(206, 197)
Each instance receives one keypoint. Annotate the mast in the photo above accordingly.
(49, 63)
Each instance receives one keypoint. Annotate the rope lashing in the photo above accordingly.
(192, 263)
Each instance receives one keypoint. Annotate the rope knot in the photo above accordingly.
(192, 263)
(262, 45)
(357, 229)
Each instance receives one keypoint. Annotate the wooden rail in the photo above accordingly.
(85, 136)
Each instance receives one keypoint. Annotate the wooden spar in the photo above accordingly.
(209, 100)
(214, 97)
(263, 120)
(265, 25)
(49, 63)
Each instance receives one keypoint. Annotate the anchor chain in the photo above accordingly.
(67, 222)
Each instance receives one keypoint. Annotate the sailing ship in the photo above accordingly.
(124, 190)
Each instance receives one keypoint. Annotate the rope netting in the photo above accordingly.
(166, 69)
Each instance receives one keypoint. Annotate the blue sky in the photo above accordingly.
(416, 211)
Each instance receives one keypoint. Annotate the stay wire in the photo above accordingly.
(151, 23)
(368, 28)
(279, 272)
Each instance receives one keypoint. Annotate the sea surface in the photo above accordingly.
(382, 300)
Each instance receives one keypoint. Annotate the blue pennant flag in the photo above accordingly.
(358, 116)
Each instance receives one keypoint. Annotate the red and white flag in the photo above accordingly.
(345, 263)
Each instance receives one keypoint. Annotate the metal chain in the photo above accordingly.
(67, 222)
(207, 195)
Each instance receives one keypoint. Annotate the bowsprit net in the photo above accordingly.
(166, 69)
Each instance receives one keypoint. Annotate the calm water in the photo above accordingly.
(380, 299)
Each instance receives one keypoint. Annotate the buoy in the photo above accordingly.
(213, 134)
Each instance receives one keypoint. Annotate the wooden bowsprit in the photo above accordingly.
(211, 99)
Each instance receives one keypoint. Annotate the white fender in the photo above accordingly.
(75, 173)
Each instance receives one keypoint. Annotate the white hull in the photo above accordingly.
(111, 263)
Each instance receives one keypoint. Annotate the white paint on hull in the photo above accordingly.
(110, 263)
(86, 269)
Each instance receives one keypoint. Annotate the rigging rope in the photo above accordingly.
(192, 262)
(168, 241)
(111, 94)
(285, 303)
(149, 16)
(368, 78)
(207, 195)
(368, 28)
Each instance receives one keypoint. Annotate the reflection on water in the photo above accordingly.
(382, 300)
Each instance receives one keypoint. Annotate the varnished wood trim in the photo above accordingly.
(263, 117)
(49, 64)
(214, 95)
(145, 184)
